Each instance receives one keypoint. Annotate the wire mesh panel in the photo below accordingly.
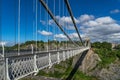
(0, 52)
(42, 60)
(54, 57)
(2, 70)
(61, 55)
(66, 55)
(20, 66)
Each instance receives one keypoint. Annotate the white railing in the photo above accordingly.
(16, 67)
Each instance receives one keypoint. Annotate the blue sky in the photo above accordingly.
(97, 19)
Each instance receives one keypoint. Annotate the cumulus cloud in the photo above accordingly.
(115, 11)
(62, 36)
(85, 17)
(97, 29)
(73, 36)
(66, 21)
(101, 29)
(45, 33)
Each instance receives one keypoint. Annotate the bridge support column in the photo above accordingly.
(35, 65)
(6, 70)
(58, 57)
(50, 63)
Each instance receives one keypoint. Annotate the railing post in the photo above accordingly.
(58, 57)
(72, 53)
(32, 48)
(35, 65)
(3, 50)
(50, 63)
(67, 54)
(6, 70)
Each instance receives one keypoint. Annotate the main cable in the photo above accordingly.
(52, 16)
(70, 11)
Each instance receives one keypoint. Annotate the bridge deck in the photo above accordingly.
(16, 67)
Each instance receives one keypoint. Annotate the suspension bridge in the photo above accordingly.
(22, 58)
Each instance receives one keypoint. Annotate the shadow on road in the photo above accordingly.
(78, 63)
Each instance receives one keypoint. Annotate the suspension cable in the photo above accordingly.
(63, 25)
(26, 9)
(52, 16)
(70, 12)
(40, 20)
(19, 6)
(47, 29)
(54, 27)
(15, 21)
(59, 39)
(33, 19)
(0, 20)
(66, 29)
(36, 25)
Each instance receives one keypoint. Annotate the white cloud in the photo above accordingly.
(73, 36)
(98, 29)
(85, 17)
(105, 20)
(43, 22)
(66, 21)
(62, 36)
(115, 11)
(99, 21)
(101, 29)
(45, 33)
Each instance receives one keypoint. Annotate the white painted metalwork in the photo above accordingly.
(2, 70)
(64, 56)
(58, 57)
(50, 63)
(16, 67)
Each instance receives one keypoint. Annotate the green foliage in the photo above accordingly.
(105, 52)
(58, 66)
(28, 79)
(65, 72)
(103, 45)
(117, 47)
(81, 76)
(107, 56)
(118, 54)
(43, 73)
(96, 45)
